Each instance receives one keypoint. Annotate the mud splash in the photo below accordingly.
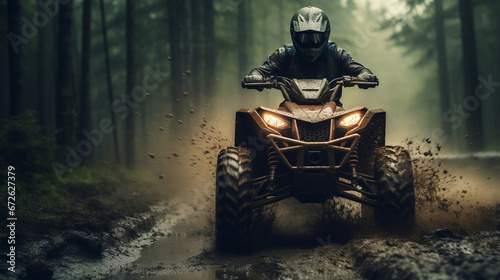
(452, 191)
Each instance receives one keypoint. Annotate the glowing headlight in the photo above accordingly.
(274, 121)
(350, 120)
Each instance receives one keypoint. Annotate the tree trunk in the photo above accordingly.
(187, 53)
(210, 50)
(65, 103)
(4, 92)
(174, 8)
(474, 122)
(85, 117)
(494, 12)
(42, 75)
(242, 40)
(76, 72)
(108, 80)
(496, 30)
(16, 40)
(442, 62)
(129, 120)
(51, 71)
(196, 67)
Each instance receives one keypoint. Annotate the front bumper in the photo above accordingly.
(295, 154)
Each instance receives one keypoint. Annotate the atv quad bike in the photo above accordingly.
(312, 150)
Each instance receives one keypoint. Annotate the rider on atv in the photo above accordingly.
(311, 56)
(314, 150)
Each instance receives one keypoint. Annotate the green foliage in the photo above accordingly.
(23, 146)
(87, 181)
(46, 192)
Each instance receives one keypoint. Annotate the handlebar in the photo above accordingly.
(277, 81)
(283, 84)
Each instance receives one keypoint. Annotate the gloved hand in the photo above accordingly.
(367, 77)
(254, 78)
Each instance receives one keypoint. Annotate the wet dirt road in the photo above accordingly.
(455, 237)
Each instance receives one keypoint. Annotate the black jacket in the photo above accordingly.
(333, 63)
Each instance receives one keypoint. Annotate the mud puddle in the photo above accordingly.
(170, 255)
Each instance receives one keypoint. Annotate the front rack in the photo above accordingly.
(345, 145)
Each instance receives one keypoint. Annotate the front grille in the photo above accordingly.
(314, 132)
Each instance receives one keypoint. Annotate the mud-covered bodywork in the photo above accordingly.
(313, 144)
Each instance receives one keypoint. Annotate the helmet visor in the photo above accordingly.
(310, 39)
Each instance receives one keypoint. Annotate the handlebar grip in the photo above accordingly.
(257, 86)
(374, 84)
